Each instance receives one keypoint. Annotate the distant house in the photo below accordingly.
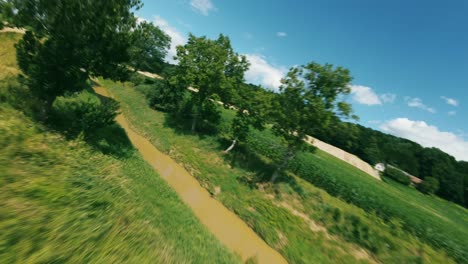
(380, 167)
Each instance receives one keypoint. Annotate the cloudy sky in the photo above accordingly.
(409, 59)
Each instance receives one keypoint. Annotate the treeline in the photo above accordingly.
(376, 147)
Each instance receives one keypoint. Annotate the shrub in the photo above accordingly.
(397, 175)
(161, 96)
(137, 78)
(429, 186)
(82, 112)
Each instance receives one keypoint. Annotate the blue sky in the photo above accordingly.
(409, 59)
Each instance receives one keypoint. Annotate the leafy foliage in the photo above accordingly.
(162, 96)
(308, 102)
(429, 186)
(149, 47)
(69, 40)
(82, 112)
(212, 67)
(397, 175)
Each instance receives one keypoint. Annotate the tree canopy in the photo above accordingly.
(211, 67)
(307, 102)
(69, 40)
(149, 47)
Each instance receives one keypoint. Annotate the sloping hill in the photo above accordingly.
(303, 222)
(225, 225)
(62, 201)
(347, 157)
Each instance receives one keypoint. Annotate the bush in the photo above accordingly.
(137, 78)
(82, 112)
(429, 186)
(397, 175)
(161, 96)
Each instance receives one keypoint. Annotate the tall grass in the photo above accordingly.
(61, 201)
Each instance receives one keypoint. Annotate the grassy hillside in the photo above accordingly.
(8, 65)
(438, 222)
(303, 222)
(66, 202)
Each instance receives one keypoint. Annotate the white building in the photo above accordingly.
(380, 167)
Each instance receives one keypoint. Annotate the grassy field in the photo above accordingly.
(303, 222)
(67, 202)
(440, 223)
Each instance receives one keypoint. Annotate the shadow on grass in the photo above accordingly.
(182, 126)
(261, 169)
(111, 140)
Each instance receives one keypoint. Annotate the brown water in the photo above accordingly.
(226, 226)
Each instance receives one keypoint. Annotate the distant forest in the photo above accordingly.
(374, 147)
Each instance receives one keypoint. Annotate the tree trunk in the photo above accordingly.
(287, 158)
(231, 147)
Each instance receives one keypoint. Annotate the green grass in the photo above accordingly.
(8, 66)
(259, 206)
(70, 201)
(439, 223)
(61, 201)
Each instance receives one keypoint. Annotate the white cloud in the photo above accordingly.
(281, 34)
(140, 20)
(374, 122)
(418, 103)
(264, 73)
(365, 95)
(202, 6)
(388, 97)
(428, 136)
(450, 101)
(452, 113)
(177, 38)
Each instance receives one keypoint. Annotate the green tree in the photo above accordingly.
(67, 41)
(254, 109)
(397, 175)
(429, 186)
(149, 47)
(307, 102)
(210, 66)
(6, 13)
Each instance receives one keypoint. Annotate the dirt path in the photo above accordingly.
(225, 225)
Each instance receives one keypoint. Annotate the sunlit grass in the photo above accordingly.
(8, 65)
(61, 201)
